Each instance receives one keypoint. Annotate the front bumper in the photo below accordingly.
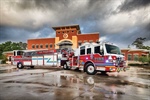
(112, 69)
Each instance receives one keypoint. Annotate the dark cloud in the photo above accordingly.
(24, 19)
(129, 5)
(147, 27)
(42, 4)
(20, 34)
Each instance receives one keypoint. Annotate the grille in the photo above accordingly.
(119, 61)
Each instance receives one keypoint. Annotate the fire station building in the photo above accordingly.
(66, 37)
(133, 55)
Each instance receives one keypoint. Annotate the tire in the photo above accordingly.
(32, 67)
(20, 65)
(90, 69)
(65, 67)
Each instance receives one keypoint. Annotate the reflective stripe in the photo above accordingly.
(104, 64)
(37, 58)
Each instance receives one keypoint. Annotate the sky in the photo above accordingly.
(118, 21)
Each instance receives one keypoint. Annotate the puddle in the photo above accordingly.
(29, 83)
(8, 70)
(42, 90)
(92, 87)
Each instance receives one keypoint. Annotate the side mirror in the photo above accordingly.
(101, 50)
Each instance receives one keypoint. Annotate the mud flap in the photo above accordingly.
(124, 69)
(118, 69)
(121, 69)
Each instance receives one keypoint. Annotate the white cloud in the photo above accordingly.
(147, 43)
(103, 38)
(126, 20)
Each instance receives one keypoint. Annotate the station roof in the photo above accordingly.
(66, 26)
(130, 50)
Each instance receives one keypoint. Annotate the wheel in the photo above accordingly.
(90, 69)
(103, 72)
(65, 67)
(20, 65)
(31, 66)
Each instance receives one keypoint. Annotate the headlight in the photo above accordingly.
(114, 61)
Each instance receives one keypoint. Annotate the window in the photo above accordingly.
(97, 49)
(82, 50)
(129, 57)
(37, 46)
(136, 57)
(58, 32)
(89, 51)
(72, 31)
(51, 45)
(63, 32)
(41, 46)
(46, 45)
(33, 46)
(67, 31)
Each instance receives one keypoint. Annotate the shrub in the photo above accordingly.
(4, 59)
(145, 59)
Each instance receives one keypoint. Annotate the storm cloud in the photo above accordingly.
(117, 21)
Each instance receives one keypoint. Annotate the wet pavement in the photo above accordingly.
(58, 84)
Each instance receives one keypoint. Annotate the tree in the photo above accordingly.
(129, 46)
(139, 42)
(9, 46)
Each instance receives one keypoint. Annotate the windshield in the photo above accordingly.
(112, 49)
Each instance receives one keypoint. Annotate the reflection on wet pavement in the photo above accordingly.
(74, 85)
(8, 70)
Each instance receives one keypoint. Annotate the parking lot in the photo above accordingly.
(58, 84)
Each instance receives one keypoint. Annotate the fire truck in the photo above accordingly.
(96, 57)
(89, 57)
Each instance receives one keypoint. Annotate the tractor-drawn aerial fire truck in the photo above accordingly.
(89, 57)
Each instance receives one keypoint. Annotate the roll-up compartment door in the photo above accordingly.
(40, 60)
(48, 60)
(34, 60)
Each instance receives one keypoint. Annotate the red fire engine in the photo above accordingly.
(89, 57)
(93, 57)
